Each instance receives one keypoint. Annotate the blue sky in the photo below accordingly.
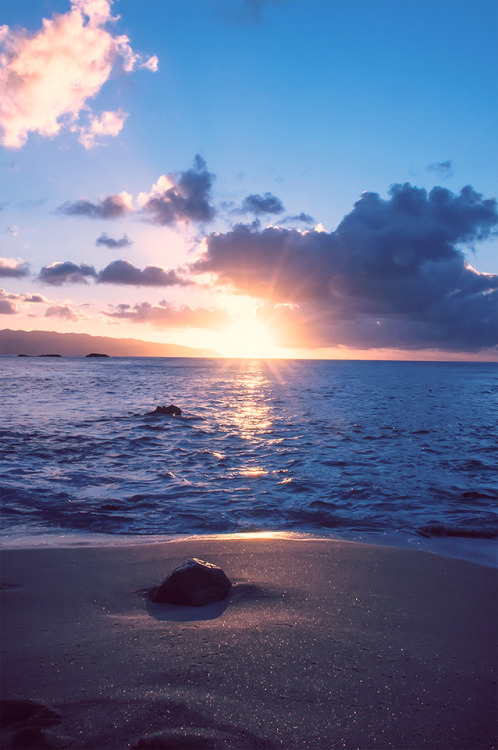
(305, 106)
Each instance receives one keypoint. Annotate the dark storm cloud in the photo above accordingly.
(124, 272)
(111, 207)
(66, 273)
(181, 198)
(111, 243)
(443, 168)
(391, 274)
(262, 204)
(14, 269)
(165, 315)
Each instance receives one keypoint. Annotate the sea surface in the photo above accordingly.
(385, 452)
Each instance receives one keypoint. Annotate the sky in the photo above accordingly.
(277, 178)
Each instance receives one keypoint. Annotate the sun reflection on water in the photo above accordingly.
(251, 413)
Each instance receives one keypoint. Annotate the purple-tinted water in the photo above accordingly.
(387, 451)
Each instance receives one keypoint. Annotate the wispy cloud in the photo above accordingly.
(165, 315)
(442, 168)
(301, 218)
(49, 78)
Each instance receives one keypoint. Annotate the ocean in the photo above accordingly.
(397, 453)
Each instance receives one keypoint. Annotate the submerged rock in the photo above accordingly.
(194, 584)
(173, 410)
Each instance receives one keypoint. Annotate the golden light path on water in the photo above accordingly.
(251, 414)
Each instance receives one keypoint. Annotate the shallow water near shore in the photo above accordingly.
(382, 452)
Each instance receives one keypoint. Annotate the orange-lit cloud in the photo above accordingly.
(14, 304)
(165, 315)
(49, 77)
(63, 312)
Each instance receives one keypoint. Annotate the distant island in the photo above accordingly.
(38, 343)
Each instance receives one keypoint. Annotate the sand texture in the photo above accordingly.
(320, 644)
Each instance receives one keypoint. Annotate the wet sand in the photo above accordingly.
(320, 644)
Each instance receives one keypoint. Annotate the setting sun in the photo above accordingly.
(247, 337)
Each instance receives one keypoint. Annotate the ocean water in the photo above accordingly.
(389, 452)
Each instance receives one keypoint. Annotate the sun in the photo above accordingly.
(247, 337)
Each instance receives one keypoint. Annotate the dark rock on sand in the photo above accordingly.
(95, 354)
(172, 410)
(193, 584)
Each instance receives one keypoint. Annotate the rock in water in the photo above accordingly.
(194, 584)
(175, 411)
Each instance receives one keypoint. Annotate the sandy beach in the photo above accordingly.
(320, 644)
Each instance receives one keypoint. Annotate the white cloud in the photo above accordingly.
(108, 124)
(47, 78)
(151, 64)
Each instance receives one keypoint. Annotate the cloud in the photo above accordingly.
(14, 269)
(117, 272)
(8, 303)
(180, 198)
(112, 207)
(298, 218)
(35, 298)
(124, 272)
(48, 78)
(66, 273)
(108, 124)
(262, 204)
(112, 243)
(176, 198)
(165, 315)
(64, 312)
(442, 168)
(11, 304)
(391, 275)
(244, 11)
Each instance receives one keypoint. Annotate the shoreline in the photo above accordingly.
(468, 549)
(319, 645)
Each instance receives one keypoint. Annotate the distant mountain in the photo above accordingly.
(80, 344)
